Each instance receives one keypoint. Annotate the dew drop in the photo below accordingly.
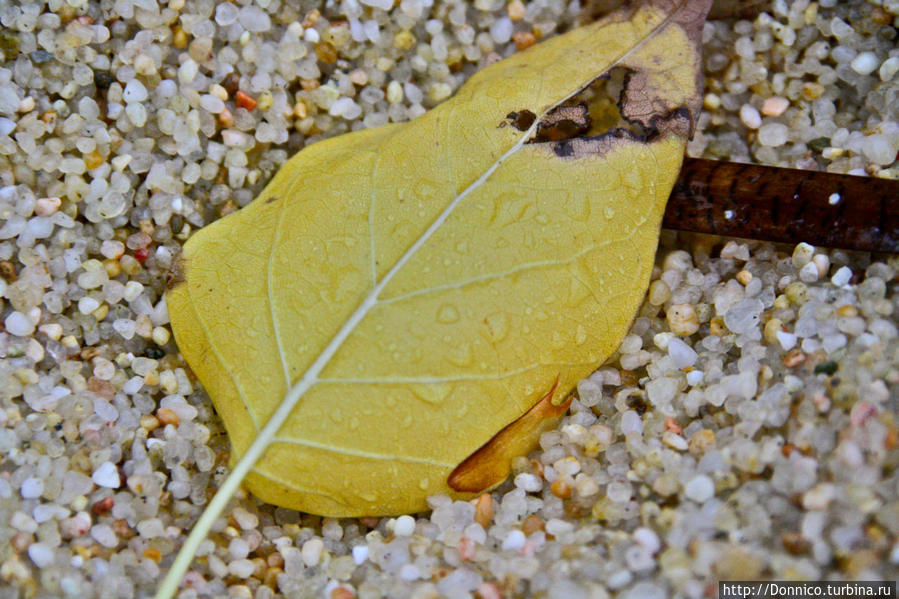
(447, 314)
(497, 326)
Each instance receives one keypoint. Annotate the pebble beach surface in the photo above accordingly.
(746, 428)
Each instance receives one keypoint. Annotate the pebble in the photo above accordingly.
(241, 568)
(106, 475)
(40, 554)
(773, 134)
(865, 63)
(404, 526)
(312, 552)
(514, 541)
(360, 554)
(775, 106)
(682, 319)
(134, 91)
(682, 354)
(32, 488)
(699, 489)
(103, 534)
(18, 324)
(750, 116)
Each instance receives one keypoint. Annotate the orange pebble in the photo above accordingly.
(244, 100)
(483, 509)
(672, 425)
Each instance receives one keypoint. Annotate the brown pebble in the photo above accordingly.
(532, 524)
(179, 37)
(370, 521)
(560, 489)
(311, 18)
(231, 83)
(488, 590)
(310, 84)
(102, 388)
(167, 416)
(21, 541)
(794, 543)
(149, 422)
(244, 100)
(103, 506)
(524, 40)
(326, 53)
(275, 560)
(271, 577)
(93, 159)
(152, 553)
(701, 441)
(672, 425)
(8, 271)
(793, 358)
(629, 378)
(342, 593)
(483, 510)
(89, 353)
(225, 118)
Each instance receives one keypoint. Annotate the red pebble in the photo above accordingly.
(245, 100)
(142, 254)
(103, 506)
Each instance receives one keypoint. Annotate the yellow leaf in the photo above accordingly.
(395, 297)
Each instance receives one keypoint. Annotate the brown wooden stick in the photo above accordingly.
(785, 205)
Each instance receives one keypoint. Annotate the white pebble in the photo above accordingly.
(648, 539)
(404, 526)
(514, 540)
(246, 520)
(773, 134)
(106, 475)
(40, 554)
(32, 488)
(809, 273)
(382, 4)
(528, 482)
(631, 422)
(134, 92)
(18, 324)
(786, 340)
(87, 304)
(887, 70)
(103, 534)
(588, 392)
(674, 441)
(682, 354)
(750, 116)
(501, 30)
(360, 554)
(775, 106)
(878, 149)
(865, 63)
(802, 255)
(312, 551)
(842, 276)
(210, 103)
(694, 377)
(700, 489)
(242, 568)
(409, 572)
(834, 199)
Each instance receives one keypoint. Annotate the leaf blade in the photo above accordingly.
(357, 157)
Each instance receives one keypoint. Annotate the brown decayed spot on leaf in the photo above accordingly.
(489, 465)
